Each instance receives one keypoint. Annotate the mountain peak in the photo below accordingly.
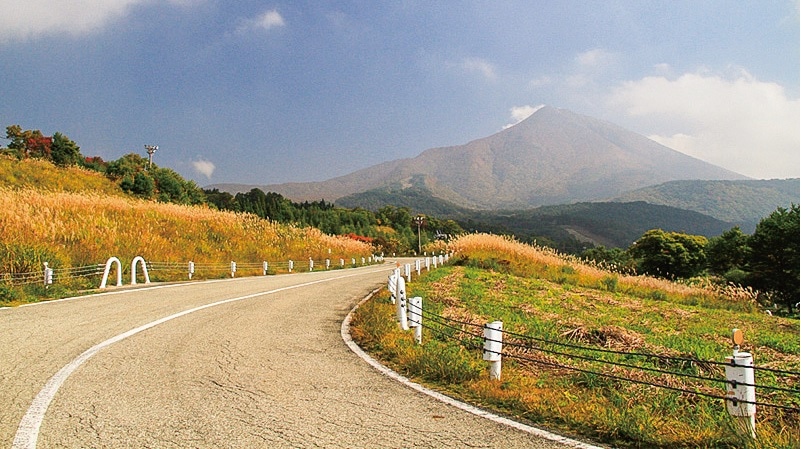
(553, 156)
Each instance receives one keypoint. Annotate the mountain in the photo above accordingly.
(554, 156)
(571, 227)
(743, 202)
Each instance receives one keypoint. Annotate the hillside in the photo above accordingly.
(553, 157)
(572, 227)
(743, 202)
(569, 227)
(43, 175)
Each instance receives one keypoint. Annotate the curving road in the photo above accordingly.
(251, 362)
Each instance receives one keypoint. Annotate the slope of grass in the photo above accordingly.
(539, 294)
(69, 229)
(43, 175)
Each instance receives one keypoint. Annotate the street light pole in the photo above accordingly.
(419, 220)
(150, 150)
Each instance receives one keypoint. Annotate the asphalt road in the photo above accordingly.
(251, 362)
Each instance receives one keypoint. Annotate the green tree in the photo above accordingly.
(64, 151)
(669, 254)
(128, 165)
(774, 259)
(727, 251)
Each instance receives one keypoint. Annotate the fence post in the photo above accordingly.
(416, 318)
(740, 389)
(233, 268)
(428, 263)
(327, 263)
(493, 338)
(311, 264)
(291, 265)
(265, 266)
(401, 302)
(191, 269)
(407, 269)
(392, 286)
(342, 263)
(48, 275)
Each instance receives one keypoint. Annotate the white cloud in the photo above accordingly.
(265, 21)
(520, 113)
(483, 67)
(595, 58)
(204, 167)
(736, 122)
(22, 20)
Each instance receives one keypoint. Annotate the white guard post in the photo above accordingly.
(408, 272)
(740, 389)
(233, 268)
(48, 275)
(291, 265)
(401, 303)
(191, 269)
(392, 286)
(311, 265)
(144, 270)
(116, 262)
(265, 266)
(493, 338)
(416, 317)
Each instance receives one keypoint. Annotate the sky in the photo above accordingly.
(263, 92)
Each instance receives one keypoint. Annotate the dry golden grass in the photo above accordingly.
(546, 263)
(43, 175)
(86, 228)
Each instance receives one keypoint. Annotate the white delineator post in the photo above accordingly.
(233, 268)
(493, 338)
(392, 286)
(191, 269)
(400, 304)
(264, 267)
(416, 318)
(740, 389)
(48, 275)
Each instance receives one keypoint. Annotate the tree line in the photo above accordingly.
(767, 260)
(391, 229)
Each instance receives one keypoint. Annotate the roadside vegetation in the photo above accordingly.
(540, 294)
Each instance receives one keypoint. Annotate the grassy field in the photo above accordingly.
(73, 218)
(576, 389)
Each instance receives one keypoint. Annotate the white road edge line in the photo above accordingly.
(345, 332)
(28, 430)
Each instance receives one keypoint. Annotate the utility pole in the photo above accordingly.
(150, 150)
(420, 219)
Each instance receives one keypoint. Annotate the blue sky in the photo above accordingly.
(267, 92)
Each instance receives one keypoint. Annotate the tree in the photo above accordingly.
(64, 151)
(669, 254)
(27, 143)
(727, 251)
(774, 260)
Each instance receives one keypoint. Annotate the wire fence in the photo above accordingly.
(173, 270)
(692, 376)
